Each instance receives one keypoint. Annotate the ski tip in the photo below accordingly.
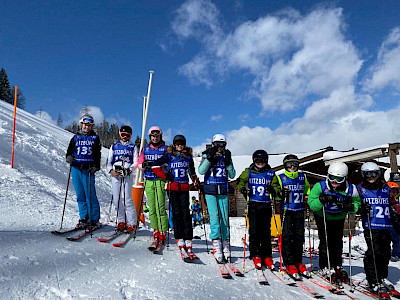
(117, 245)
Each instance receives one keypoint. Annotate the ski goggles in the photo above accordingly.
(155, 133)
(371, 174)
(260, 161)
(219, 144)
(337, 179)
(291, 164)
(125, 135)
(87, 120)
(179, 144)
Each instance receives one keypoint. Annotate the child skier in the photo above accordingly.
(216, 167)
(122, 161)
(180, 166)
(196, 212)
(293, 187)
(331, 200)
(84, 154)
(154, 186)
(259, 176)
(379, 210)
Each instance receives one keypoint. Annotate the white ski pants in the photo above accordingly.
(122, 194)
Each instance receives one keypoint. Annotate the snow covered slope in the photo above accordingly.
(38, 265)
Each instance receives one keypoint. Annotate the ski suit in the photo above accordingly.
(260, 209)
(180, 166)
(292, 215)
(123, 156)
(378, 224)
(216, 192)
(154, 187)
(196, 212)
(86, 150)
(335, 218)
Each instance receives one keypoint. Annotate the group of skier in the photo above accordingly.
(169, 170)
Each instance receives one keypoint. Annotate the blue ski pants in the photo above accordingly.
(218, 208)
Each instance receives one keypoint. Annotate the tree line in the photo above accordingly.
(7, 92)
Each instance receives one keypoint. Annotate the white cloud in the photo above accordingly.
(244, 118)
(45, 116)
(385, 72)
(95, 112)
(216, 118)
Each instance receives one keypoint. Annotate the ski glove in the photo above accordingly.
(228, 157)
(70, 159)
(170, 176)
(346, 206)
(244, 192)
(365, 208)
(325, 198)
(147, 164)
(93, 170)
(271, 191)
(211, 155)
(285, 194)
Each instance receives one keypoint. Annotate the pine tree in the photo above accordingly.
(59, 120)
(5, 94)
(20, 97)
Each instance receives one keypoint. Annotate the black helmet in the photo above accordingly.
(179, 138)
(290, 157)
(126, 129)
(260, 154)
(291, 160)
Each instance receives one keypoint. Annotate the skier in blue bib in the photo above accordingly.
(378, 211)
(84, 154)
(196, 212)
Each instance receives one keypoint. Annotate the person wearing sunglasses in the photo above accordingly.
(293, 187)
(259, 178)
(331, 200)
(217, 167)
(122, 161)
(379, 211)
(154, 186)
(179, 168)
(84, 154)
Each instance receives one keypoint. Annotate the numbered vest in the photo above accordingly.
(179, 167)
(217, 174)
(332, 207)
(295, 201)
(84, 148)
(152, 154)
(258, 183)
(380, 212)
(122, 152)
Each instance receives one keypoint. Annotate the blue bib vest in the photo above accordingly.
(258, 183)
(332, 207)
(153, 155)
(216, 178)
(380, 212)
(178, 166)
(296, 187)
(122, 152)
(83, 153)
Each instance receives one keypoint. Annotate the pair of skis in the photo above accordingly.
(224, 269)
(156, 247)
(121, 243)
(80, 235)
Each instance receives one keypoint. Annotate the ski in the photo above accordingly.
(298, 282)
(159, 248)
(364, 289)
(112, 236)
(79, 236)
(261, 278)
(153, 246)
(235, 270)
(334, 287)
(281, 276)
(61, 232)
(124, 241)
(224, 271)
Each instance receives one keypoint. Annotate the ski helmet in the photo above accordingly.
(260, 155)
(218, 140)
(370, 169)
(179, 139)
(125, 131)
(154, 128)
(86, 119)
(337, 172)
(291, 160)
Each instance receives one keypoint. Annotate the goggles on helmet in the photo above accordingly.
(291, 164)
(125, 135)
(260, 161)
(155, 133)
(337, 179)
(87, 120)
(179, 143)
(371, 174)
(219, 144)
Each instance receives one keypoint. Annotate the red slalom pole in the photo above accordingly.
(13, 138)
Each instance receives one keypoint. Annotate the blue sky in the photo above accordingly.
(285, 76)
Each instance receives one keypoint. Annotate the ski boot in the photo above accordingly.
(380, 290)
(292, 271)
(92, 224)
(257, 262)
(226, 249)
(217, 251)
(82, 223)
(303, 270)
(131, 229)
(390, 288)
(121, 226)
(154, 243)
(341, 274)
(269, 263)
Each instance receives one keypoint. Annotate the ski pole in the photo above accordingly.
(109, 211)
(119, 198)
(372, 247)
(90, 204)
(350, 236)
(277, 233)
(66, 195)
(327, 246)
(204, 224)
(309, 237)
(246, 220)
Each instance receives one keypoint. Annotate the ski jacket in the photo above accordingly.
(196, 208)
(126, 152)
(334, 213)
(298, 185)
(180, 167)
(216, 175)
(86, 150)
(151, 152)
(380, 207)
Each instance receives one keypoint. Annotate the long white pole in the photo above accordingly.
(146, 101)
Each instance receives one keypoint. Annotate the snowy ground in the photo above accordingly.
(38, 265)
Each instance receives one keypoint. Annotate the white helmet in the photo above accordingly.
(218, 138)
(370, 169)
(338, 171)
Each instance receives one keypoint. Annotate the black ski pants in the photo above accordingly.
(260, 229)
(381, 245)
(334, 230)
(181, 215)
(292, 236)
